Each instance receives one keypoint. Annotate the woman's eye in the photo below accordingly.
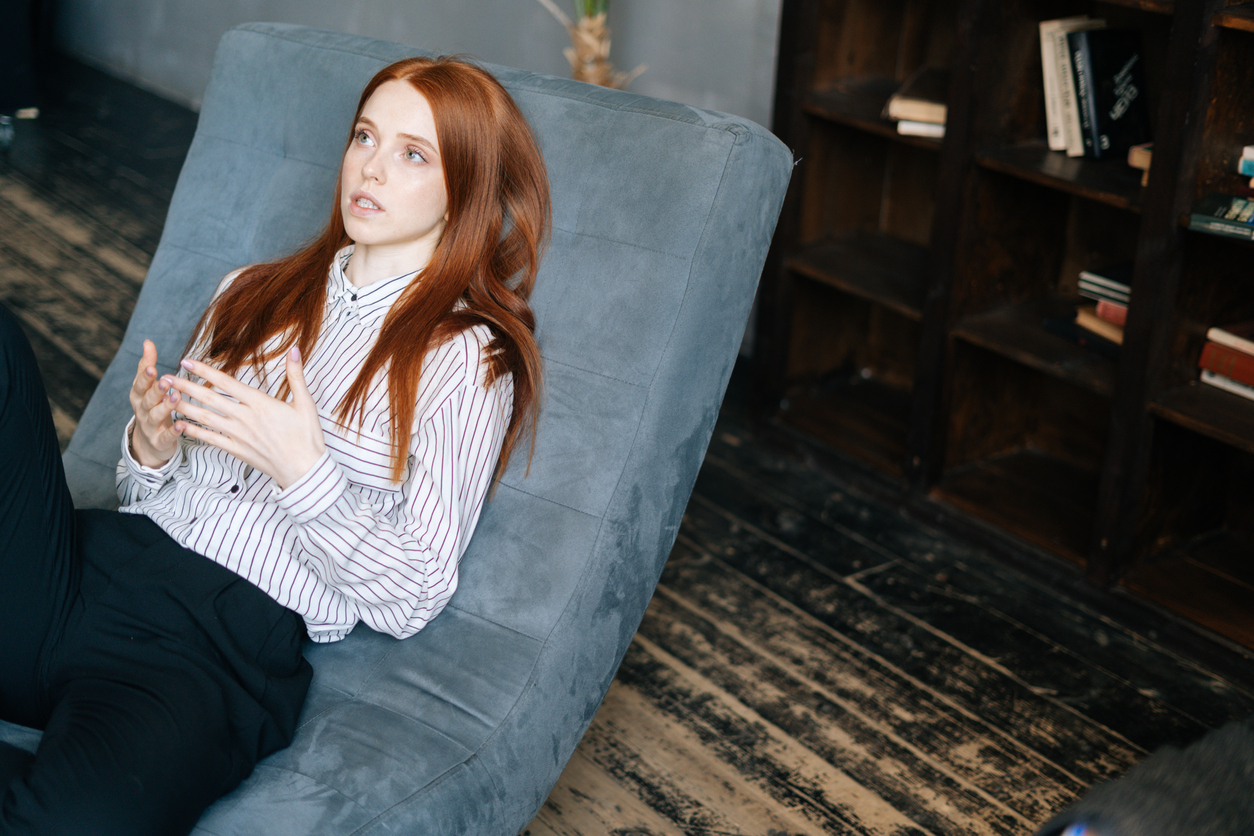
(414, 155)
(361, 136)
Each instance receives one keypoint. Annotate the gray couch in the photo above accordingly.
(662, 217)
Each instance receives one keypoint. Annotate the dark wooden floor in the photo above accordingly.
(822, 656)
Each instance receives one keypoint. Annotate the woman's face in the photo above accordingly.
(392, 193)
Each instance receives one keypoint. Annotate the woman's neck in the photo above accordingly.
(368, 264)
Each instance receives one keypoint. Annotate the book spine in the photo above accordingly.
(1112, 312)
(1085, 94)
(1066, 97)
(1228, 384)
(1218, 335)
(1232, 364)
(1220, 226)
(1049, 74)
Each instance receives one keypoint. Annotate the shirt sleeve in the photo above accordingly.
(134, 481)
(400, 570)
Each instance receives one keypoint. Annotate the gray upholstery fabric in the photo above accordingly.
(662, 217)
(1203, 789)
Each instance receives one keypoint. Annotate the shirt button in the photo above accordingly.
(354, 297)
(234, 488)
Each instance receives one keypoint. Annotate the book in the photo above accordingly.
(1086, 317)
(1052, 76)
(1228, 384)
(1224, 214)
(1227, 361)
(1113, 283)
(1070, 331)
(1098, 294)
(1110, 90)
(909, 127)
(921, 97)
(1073, 141)
(1239, 335)
(1115, 312)
(1139, 156)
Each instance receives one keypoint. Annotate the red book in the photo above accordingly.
(1112, 312)
(1229, 362)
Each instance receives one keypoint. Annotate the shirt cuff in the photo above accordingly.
(152, 477)
(315, 492)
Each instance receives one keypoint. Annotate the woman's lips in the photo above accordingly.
(363, 204)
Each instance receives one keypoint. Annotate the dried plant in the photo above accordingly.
(589, 50)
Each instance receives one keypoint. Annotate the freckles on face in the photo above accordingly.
(392, 191)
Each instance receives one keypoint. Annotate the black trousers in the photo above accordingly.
(158, 677)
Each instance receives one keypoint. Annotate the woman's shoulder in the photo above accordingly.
(229, 279)
(463, 354)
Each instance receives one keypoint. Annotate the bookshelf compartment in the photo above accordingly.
(850, 373)
(1196, 541)
(1024, 450)
(1215, 289)
(857, 182)
(858, 103)
(834, 332)
(1018, 333)
(1228, 125)
(862, 417)
(884, 38)
(1210, 411)
(1106, 181)
(1029, 243)
(871, 266)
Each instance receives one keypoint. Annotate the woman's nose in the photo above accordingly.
(372, 169)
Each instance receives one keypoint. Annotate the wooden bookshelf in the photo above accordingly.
(913, 306)
(1118, 186)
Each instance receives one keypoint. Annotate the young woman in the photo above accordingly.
(321, 460)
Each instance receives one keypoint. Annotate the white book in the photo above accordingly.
(1049, 73)
(1238, 340)
(1067, 101)
(908, 127)
(1227, 384)
(1098, 279)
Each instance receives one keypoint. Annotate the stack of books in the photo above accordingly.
(920, 104)
(1094, 82)
(1109, 291)
(1224, 214)
(1227, 359)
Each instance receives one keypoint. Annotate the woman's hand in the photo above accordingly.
(282, 440)
(154, 441)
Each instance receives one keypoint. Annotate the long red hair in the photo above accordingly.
(498, 222)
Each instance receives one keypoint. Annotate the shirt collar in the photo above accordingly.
(370, 303)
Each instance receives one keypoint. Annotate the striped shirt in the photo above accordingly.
(345, 543)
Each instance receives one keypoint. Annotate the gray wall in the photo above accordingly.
(718, 54)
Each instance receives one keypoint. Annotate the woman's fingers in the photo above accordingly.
(183, 391)
(296, 379)
(219, 379)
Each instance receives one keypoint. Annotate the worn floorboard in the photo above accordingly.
(819, 658)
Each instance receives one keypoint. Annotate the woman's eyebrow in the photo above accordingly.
(418, 139)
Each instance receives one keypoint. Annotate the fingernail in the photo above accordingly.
(187, 364)
(174, 396)
(150, 371)
(295, 352)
